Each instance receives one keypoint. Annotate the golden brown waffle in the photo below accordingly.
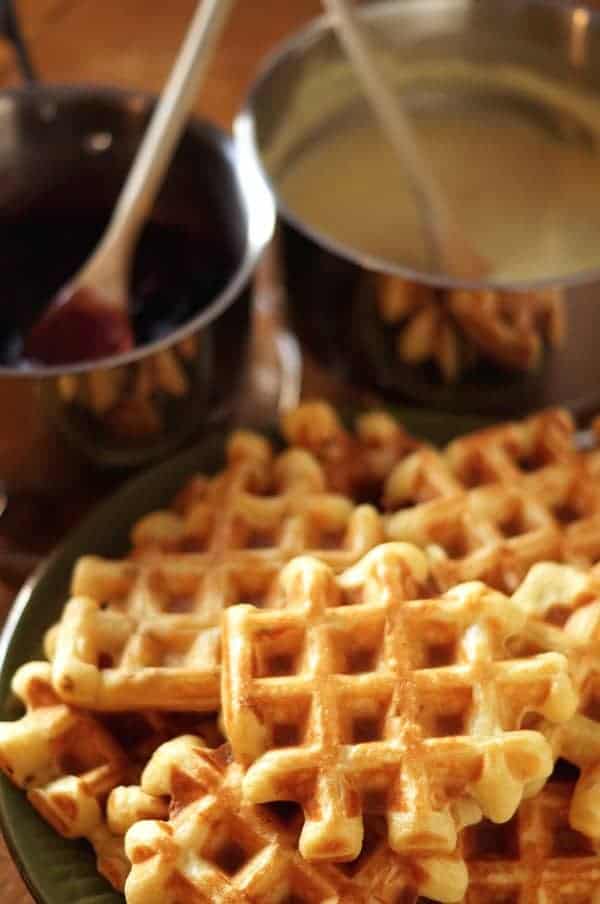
(360, 685)
(108, 660)
(498, 501)
(562, 605)
(514, 450)
(214, 848)
(68, 764)
(536, 858)
(143, 633)
(205, 843)
(145, 628)
(391, 711)
(354, 463)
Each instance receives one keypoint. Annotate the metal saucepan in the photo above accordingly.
(64, 152)
(337, 296)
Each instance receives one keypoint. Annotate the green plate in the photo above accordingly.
(59, 871)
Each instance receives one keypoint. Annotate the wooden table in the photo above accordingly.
(132, 43)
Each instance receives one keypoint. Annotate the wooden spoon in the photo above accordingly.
(88, 318)
(449, 248)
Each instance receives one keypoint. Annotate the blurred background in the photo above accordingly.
(132, 43)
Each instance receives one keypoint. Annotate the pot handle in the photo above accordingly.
(11, 30)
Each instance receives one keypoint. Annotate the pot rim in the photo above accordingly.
(255, 198)
(295, 47)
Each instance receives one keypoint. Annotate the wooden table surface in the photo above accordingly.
(132, 43)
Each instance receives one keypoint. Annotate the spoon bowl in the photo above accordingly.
(80, 325)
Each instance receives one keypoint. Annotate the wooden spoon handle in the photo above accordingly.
(448, 247)
(170, 116)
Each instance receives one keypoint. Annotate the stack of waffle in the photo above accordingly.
(355, 670)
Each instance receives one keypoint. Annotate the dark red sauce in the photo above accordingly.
(176, 273)
(78, 327)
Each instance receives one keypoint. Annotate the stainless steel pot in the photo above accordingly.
(67, 150)
(300, 97)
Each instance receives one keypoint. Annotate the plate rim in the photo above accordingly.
(10, 625)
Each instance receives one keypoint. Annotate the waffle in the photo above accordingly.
(360, 685)
(515, 450)
(498, 501)
(536, 858)
(377, 708)
(68, 763)
(562, 605)
(206, 844)
(533, 453)
(213, 848)
(353, 463)
(143, 632)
